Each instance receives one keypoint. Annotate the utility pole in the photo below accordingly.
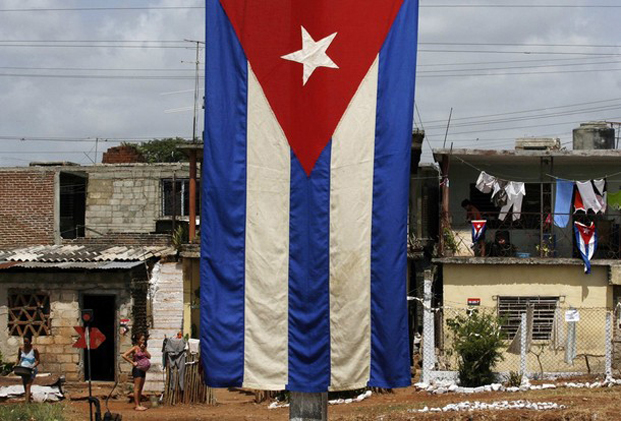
(196, 85)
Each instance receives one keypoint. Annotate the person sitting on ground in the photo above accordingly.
(139, 357)
(28, 356)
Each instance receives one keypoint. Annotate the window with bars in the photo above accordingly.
(510, 310)
(29, 313)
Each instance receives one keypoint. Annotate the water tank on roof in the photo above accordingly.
(594, 135)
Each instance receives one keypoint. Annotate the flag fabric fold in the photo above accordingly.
(308, 125)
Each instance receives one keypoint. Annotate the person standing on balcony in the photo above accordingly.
(473, 214)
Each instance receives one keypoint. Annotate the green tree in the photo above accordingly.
(477, 340)
(163, 150)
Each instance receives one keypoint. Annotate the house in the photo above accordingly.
(72, 237)
(530, 258)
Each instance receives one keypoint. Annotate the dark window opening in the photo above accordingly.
(510, 310)
(176, 197)
(29, 313)
(72, 205)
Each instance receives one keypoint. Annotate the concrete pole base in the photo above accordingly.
(308, 406)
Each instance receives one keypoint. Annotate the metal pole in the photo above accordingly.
(90, 390)
(523, 340)
(608, 345)
(308, 406)
(428, 329)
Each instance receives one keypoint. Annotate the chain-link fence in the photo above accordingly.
(543, 339)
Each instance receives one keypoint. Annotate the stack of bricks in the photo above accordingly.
(123, 154)
(125, 239)
(26, 208)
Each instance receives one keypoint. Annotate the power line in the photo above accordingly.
(129, 77)
(503, 6)
(512, 61)
(537, 117)
(555, 72)
(105, 69)
(520, 52)
(519, 67)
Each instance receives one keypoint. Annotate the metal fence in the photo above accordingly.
(541, 339)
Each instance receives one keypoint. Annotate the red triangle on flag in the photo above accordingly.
(270, 29)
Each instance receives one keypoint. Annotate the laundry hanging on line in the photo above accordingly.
(586, 239)
(506, 195)
(591, 195)
(562, 203)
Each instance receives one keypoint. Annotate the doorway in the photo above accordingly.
(104, 318)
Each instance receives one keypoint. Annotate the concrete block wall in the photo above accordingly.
(26, 208)
(167, 309)
(127, 198)
(58, 356)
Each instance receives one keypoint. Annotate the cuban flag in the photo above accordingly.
(478, 230)
(586, 240)
(308, 119)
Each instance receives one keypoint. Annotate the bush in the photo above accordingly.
(33, 411)
(477, 341)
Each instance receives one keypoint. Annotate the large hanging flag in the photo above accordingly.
(586, 240)
(309, 109)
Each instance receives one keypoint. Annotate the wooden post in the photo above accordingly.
(308, 406)
(192, 204)
(444, 213)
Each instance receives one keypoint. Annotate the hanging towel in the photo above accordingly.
(515, 346)
(589, 198)
(571, 346)
(562, 203)
(515, 194)
(600, 193)
(614, 200)
(485, 182)
(558, 336)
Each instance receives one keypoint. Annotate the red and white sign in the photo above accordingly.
(474, 301)
(96, 337)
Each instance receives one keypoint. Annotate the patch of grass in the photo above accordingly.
(32, 412)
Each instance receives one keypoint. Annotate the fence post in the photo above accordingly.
(428, 329)
(608, 344)
(523, 351)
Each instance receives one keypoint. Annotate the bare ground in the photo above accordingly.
(582, 404)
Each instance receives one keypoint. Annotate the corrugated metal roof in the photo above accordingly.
(71, 265)
(84, 253)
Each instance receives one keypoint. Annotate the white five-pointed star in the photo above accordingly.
(313, 54)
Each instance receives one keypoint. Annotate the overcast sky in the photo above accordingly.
(69, 77)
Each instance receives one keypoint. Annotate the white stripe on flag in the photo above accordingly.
(267, 245)
(351, 197)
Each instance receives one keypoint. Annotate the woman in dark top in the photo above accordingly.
(138, 357)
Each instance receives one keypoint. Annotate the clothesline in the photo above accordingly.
(539, 181)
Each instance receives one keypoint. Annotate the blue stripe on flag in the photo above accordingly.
(223, 203)
(390, 363)
(309, 266)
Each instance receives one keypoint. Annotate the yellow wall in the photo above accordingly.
(463, 281)
(590, 293)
